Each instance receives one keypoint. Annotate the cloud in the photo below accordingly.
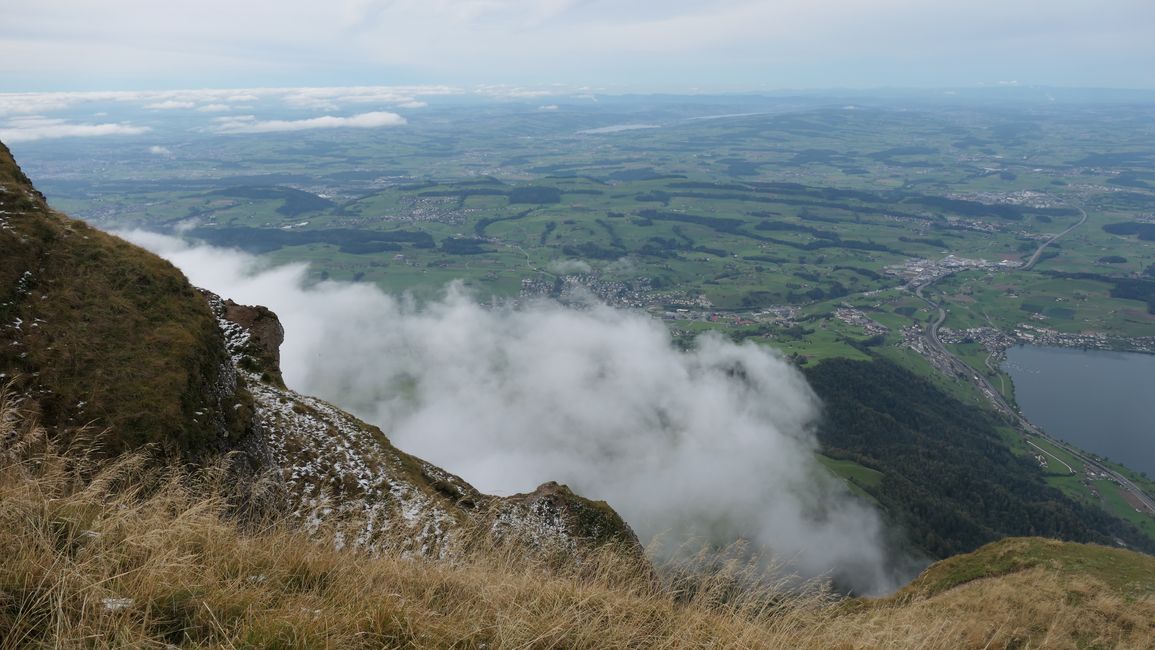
(247, 124)
(210, 100)
(565, 267)
(711, 443)
(28, 129)
(336, 97)
(33, 103)
(502, 91)
(169, 105)
(158, 150)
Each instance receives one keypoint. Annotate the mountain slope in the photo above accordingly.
(102, 331)
(948, 479)
(103, 335)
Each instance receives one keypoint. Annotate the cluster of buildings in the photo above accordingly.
(440, 209)
(924, 271)
(636, 293)
(681, 300)
(852, 316)
(1029, 198)
(912, 338)
(992, 339)
(1035, 335)
(781, 314)
(977, 225)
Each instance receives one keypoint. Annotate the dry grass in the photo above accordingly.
(131, 557)
(102, 330)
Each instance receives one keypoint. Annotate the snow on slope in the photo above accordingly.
(342, 477)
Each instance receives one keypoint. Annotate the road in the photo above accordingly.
(1070, 469)
(961, 368)
(1030, 264)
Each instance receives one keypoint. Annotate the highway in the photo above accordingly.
(1030, 264)
(961, 368)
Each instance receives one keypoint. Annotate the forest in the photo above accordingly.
(950, 480)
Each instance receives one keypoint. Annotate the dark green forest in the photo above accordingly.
(950, 481)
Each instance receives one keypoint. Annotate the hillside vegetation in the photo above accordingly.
(947, 477)
(121, 556)
(101, 330)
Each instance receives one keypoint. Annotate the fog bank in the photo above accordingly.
(713, 443)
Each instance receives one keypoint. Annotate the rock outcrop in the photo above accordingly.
(339, 474)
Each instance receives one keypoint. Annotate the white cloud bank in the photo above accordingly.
(249, 124)
(209, 100)
(714, 442)
(169, 105)
(567, 266)
(28, 129)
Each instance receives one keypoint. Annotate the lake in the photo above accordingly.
(1103, 402)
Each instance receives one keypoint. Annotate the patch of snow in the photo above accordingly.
(116, 604)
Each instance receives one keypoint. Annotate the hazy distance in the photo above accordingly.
(648, 45)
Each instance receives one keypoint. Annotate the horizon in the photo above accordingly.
(52, 115)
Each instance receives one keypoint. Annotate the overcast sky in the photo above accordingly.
(639, 44)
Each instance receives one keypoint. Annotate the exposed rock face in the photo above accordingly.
(265, 329)
(336, 472)
(571, 516)
(265, 336)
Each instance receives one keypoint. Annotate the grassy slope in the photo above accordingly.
(103, 332)
(1125, 571)
(132, 558)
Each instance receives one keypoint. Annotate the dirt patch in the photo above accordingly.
(1138, 315)
(1135, 503)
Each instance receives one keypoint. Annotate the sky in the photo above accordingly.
(631, 45)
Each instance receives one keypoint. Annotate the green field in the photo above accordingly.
(855, 476)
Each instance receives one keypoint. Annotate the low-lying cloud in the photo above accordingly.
(568, 266)
(249, 124)
(169, 105)
(311, 98)
(713, 443)
(28, 129)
